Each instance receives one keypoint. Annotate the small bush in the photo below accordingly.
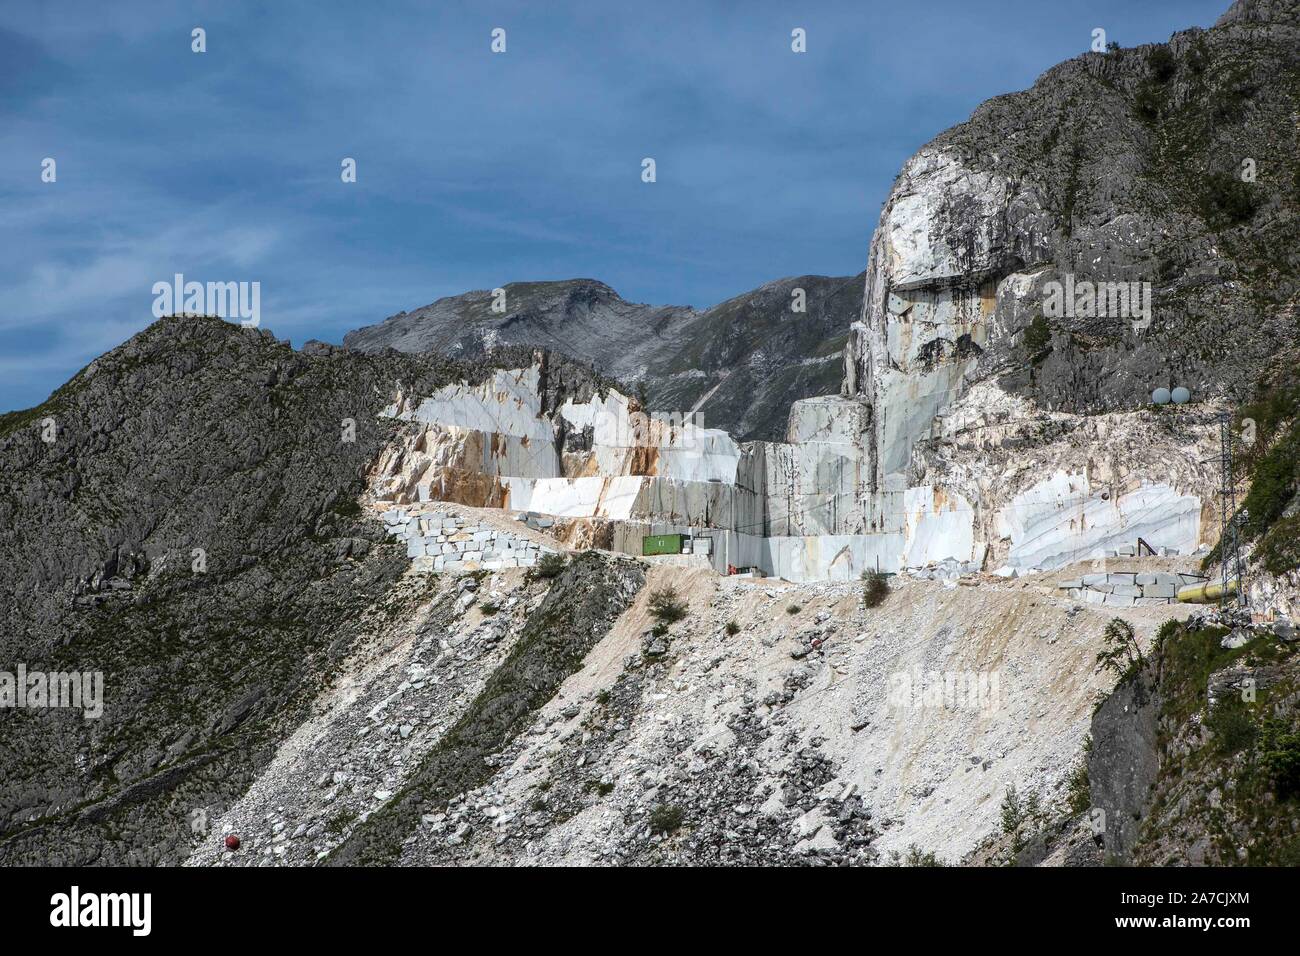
(488, 608)
(793, 608)
(666, 818)
(1038, 337)
(1079, 788)
(1013, 813)
(666, 607)
(1231, 724)
(733, 628)
(1121, 654)
(337, 825)
(348, 508)
(1280, 549)
(875, 588)
(1148, 101)
(1280, 756)
(917, 858)
(549, 565)
(602, 697)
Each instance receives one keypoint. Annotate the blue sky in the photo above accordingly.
(473, 169)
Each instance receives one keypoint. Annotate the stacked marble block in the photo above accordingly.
(1130, 588)
(437, 541)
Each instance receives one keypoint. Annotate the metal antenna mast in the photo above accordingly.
(1229, 542)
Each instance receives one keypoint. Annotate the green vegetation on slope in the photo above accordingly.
(1228, 790)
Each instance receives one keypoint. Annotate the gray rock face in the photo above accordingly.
(1124, 762)
(577, 611)
(1173, 165)
(742, 362)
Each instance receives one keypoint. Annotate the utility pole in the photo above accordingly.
(1229, 540)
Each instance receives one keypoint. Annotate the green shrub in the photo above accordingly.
(338, 824)
(1280, 757)
(733, 628)
(917, 858)
(1280, 549)
(1231, 724)
(1013, 812)
(793, 608)
(666, 818)
(666, 607)
(1078, 786)
(549, 565)
(875, 588)
(1120, 653)
(1147, 101)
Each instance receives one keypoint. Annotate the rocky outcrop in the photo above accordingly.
(1123, 762)
(1191, 760)
(1124, 167)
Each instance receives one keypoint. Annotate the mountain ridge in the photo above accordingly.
(739, 363)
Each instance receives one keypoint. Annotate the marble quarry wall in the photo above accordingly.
(803, 509)
(920, 460)
(793, 509)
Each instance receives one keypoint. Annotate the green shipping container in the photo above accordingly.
(661, 544)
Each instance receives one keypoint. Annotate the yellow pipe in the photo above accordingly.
(1207, 593)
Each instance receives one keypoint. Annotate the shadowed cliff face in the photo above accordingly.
(742, 362)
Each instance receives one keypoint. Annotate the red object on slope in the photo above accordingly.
(232, 842)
